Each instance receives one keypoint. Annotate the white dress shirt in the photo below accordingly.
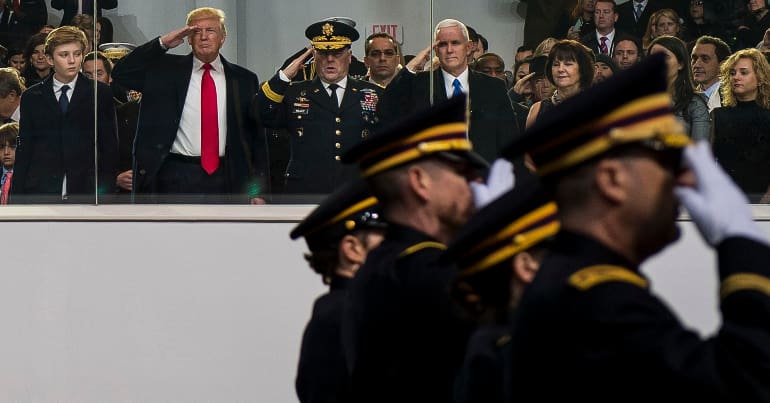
(340, 90)
(449, 79)
(188, 137)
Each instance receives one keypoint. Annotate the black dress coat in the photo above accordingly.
(163, 80)
(492, 124)
(52, 144)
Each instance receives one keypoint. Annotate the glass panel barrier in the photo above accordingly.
(163, 128)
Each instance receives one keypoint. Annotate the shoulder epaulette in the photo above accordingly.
(420, 246)
(586, 278)
(270, 94)
(744, 281)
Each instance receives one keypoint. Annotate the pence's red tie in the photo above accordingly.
(209, 122)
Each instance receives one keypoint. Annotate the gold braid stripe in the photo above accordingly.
(744, 281)
(270, 94)
(585, 279)
(422, 149)
(420, 246)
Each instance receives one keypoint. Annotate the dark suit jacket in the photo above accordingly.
(593, 43)
(163, 80)
(70, 8)
(16, 28)
(318, 132)
(492, 124)
(52, 144)
(629, 25)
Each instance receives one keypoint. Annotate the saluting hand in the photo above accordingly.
(522, 84)
(176, 38)
(418, 62)
(294, 67)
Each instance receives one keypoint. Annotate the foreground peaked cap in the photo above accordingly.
(631, 106)
(351, 207)
(518, 220)
(437, 131)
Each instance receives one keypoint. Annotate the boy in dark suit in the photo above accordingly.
(55, 159)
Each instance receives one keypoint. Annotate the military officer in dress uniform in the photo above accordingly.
(324, 116)
(588, 328)
(339, 234)
(498, 253)
(404, 336)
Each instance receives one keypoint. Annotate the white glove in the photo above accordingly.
(500, 180)
(717, 206)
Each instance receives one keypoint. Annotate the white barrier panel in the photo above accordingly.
(175, 306)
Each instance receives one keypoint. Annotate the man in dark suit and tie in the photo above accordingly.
(195, 140)
(324, 116)
(74, 7)
(604, 38)
(491, 116)
(634, 15)
(55, 159)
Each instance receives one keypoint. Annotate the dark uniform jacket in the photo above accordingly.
(405, 338)
(53, 144)
(589, 329)
(319, 131)
(487, 367)
(492, 124)
(163, 80)
(322, 375)
(70, 8)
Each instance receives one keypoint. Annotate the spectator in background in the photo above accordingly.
(570, 68)
(740, 127)
(633, 15)
(22, 19)
(755, 23)
(581, 20)
(86, 23)
(521, 91)
(15, 58)
(11, 89)
(107, 30)
(9, 133)
(72, 8)
(697, 24)
(101, 70)
(688, 105)
(493, 65)
(668, 23)
(605, 68)
(37, 64)
(58, 137)
(544, 47)
(628, 52)
(383, 57)
(605, 36)
(523, 52)
(707, 55)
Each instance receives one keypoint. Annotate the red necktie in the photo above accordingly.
(15, 5)
(6, 188)
(209, 122)
(603, 45)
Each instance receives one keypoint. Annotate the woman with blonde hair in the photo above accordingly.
(740, 136)
(581, 19)
(662, 22)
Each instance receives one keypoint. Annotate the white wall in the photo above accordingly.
(167, 304)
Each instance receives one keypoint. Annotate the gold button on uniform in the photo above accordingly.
(338, 132)
(337, 145)
(337, 120)
(337, 157)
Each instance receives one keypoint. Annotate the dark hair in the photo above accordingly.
(99, 55)
(489, 55)
(473, 36)
(33, 42)
(324, 260)
(569, 50)
(524, 48)
(484, 42)
(384, 35)
(614, 6)
(107, 30)
(684, 86)
(721, 48)
(12, 52)
(9, 132)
